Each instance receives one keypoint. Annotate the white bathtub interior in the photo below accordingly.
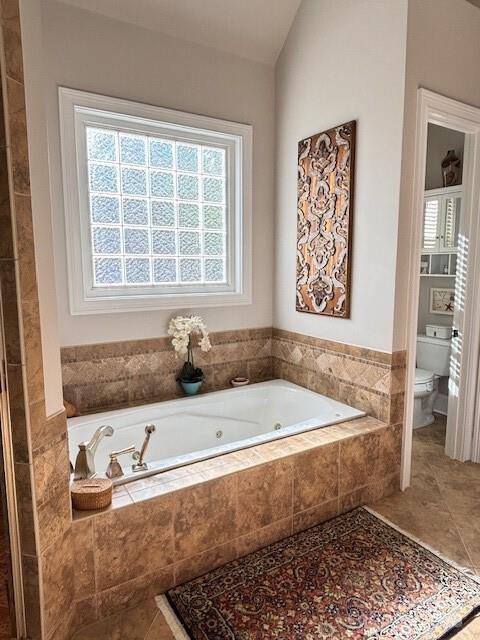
(196, 428)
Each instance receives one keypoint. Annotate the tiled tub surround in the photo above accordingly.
(105, 376)
(166, 529)
(116, 374)
(189, 430)
(373, 381)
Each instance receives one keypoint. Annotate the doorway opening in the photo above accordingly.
(440, 239)
(444, 297)
(439, 471)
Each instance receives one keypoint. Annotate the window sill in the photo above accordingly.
(124, 304)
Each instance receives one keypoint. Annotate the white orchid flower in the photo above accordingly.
(181, 329)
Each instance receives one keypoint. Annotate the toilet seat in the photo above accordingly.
(433, 362)
(423, 382)
(425, 394)
(422, 376)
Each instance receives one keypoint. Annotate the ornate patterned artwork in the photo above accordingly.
(324, 221)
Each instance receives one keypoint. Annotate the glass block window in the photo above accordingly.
(157, 210)
(157, 206)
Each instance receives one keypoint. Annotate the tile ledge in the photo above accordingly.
(237, 462)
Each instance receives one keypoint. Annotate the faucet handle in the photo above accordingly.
(114, 469)
(120, 452)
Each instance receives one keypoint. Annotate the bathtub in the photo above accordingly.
(192, 429)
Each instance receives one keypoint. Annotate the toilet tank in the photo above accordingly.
(433, 354)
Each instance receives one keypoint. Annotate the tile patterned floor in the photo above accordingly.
(442, 508)
(442, 505)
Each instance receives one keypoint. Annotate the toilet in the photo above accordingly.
(433, 361)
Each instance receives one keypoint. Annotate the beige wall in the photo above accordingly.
(443, 53)
(93, 53)
(344, 60)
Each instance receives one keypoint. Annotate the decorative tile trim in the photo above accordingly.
(382, 357)
(97, 351)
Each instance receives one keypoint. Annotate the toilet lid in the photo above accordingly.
(421, 375)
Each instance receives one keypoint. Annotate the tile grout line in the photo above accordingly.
(452, 515)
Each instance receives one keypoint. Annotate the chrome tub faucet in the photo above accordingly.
(85, 461)
(114, 469)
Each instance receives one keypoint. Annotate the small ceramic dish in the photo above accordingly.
(239, 382)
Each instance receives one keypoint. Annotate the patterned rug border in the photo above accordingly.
(450, 633)
(171, 618)
(180, 631)
(468, 572)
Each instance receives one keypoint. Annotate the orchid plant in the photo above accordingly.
(182, 328)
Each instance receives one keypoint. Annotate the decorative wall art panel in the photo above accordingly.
(442, 301)
(324, 223)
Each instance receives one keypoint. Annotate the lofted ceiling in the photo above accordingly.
(254, 29)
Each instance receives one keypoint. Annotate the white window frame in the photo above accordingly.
(80, 109)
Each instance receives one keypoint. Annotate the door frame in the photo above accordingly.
(437, 109)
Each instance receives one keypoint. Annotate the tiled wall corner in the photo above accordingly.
(370, 380)
(39, 442)
(104, 376)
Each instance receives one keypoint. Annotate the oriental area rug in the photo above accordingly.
(353, 577)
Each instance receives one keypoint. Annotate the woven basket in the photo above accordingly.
(91, 494)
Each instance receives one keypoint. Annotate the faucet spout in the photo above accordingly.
(85, 461)
(104, 431)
